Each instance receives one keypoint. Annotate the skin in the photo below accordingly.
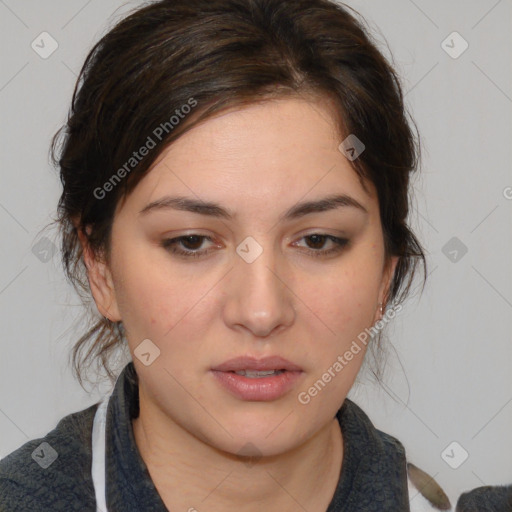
(257, 162)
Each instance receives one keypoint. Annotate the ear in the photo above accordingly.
(387, 279)
(100, 281)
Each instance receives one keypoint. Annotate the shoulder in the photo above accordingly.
(52, 472)
(424, 493)
(488, 498)
(356, 421)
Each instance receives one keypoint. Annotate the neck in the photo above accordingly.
(192, 475)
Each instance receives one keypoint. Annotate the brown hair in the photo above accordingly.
(212, 55)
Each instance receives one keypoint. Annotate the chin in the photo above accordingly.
(257, 448)
(258, 437)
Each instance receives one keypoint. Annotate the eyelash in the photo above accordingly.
(170, 245)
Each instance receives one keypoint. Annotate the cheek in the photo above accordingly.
(346, 306)
(345, 299)
(345, 302)
(165, 303)
(148, 299)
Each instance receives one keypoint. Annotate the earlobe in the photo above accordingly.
(100, 282)
(387, 280)
(388, 277)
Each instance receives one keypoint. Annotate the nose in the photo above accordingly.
(258, 297)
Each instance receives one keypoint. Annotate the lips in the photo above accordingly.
(253, 364)
(260, 380)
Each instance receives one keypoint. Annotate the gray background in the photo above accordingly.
(453, 341)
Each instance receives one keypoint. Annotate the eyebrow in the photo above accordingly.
(212, 209)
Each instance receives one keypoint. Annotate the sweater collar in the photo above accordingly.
(374, 472)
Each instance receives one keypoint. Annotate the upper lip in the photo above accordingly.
(252, 363)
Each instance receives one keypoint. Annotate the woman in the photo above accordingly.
(235, 190)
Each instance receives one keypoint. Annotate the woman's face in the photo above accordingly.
(270, 272)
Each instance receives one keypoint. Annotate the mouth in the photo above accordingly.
(255, 374)
(253, 364)
(259, 380)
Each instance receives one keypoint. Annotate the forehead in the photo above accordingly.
(262, 154)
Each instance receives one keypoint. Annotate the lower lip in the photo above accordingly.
(260, 389)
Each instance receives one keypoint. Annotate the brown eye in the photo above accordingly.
(189, 243)
(192, 242)
(318, 240)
